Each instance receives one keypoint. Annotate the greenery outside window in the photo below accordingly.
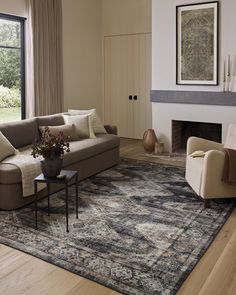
(12, 68)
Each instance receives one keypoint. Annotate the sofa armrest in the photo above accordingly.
(197, 143)
(111, 129)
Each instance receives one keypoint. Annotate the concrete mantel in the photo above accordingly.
(194, 97)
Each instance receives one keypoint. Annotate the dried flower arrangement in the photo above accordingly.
(50, 145)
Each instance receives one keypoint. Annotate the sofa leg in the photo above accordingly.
(206, 203)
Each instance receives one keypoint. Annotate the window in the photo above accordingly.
(12, 68)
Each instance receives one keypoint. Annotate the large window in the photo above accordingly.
(12, 68)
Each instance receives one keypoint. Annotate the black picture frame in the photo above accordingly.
(197, 43)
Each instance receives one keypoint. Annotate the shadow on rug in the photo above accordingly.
(141, 229)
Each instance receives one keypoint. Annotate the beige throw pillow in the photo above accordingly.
(96, 122)
(83, 125)
(69, 131)
(196, 154)
(6, 148)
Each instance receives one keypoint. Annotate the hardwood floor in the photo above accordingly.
(133, 149)
(215, 274)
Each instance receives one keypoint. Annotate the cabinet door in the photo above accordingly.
(142, 84)
(117, 106)
(128, 73)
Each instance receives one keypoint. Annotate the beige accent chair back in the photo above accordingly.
(230, 142)
(204, 174)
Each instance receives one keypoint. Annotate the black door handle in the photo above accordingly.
(135, 97)
(130, 97)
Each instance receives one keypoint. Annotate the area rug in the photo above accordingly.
(141, 229)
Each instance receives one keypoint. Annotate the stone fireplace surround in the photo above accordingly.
(192, 106)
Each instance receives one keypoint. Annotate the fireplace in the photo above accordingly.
(164, 113)
(182, 130)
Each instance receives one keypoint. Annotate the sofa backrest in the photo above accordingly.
(230, 142)
(51, 120)
(20, 133)
(25, 132)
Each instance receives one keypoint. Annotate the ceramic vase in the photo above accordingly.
(149, 140)
(51, 167)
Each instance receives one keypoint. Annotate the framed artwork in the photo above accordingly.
(197, 43)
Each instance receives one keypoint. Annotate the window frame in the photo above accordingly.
(20, 20)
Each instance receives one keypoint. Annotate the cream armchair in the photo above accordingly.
(204, 173)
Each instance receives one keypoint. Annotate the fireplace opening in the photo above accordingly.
(182, 130)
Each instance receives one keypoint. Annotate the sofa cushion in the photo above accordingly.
(83, 125)
(80, 150)
(69, 131)
(6, 148)
(96, 121)
(51, 120)
(87, 148)
(9, 174)
(20, 133)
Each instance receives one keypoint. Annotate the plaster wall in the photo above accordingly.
(82, 54)
(126, 17)
(15, 7)
(164, 69)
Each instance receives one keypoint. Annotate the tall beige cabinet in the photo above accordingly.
(127, 83)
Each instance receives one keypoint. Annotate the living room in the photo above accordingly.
(146, 222)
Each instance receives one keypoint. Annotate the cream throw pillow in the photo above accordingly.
(6, 148)
(97, 124)
(83, 125)
(69, 131)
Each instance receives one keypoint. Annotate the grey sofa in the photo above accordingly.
(87, 156)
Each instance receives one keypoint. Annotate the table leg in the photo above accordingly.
(48, 190)
(35, 204)
(76, 189)
(66, 188)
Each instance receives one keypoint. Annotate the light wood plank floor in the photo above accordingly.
(215, 274)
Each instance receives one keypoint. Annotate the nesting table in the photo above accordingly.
(67, 176)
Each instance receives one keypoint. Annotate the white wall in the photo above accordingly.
(15, 7)
(84, 24)
(82, 50)
(126, 16)
(164, 43)
(164, 74)
(164, 113)
(82, 54)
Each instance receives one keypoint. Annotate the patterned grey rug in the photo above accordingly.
(141, 229)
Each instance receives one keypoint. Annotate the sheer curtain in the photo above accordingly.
(44, 58)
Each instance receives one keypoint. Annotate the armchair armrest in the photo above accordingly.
(214, 158)
(213, 164)
(111, 129)
(197, 143)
